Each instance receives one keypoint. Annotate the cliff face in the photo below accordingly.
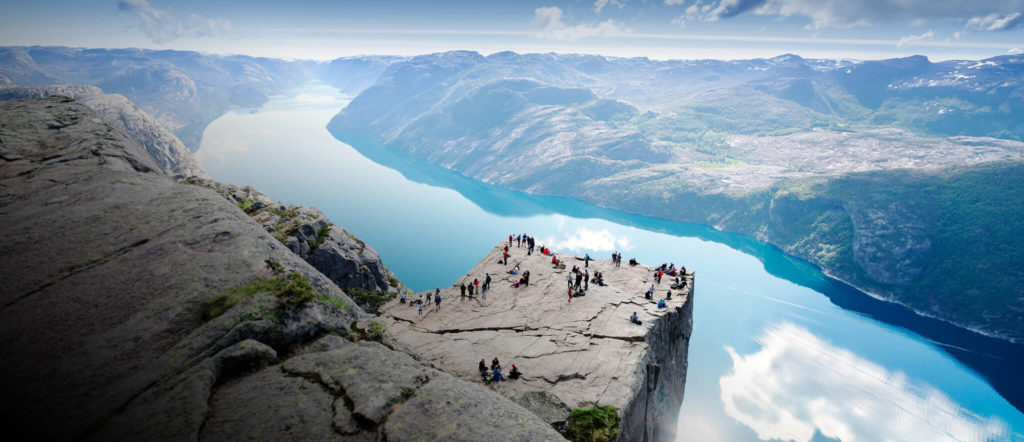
(783, 149)
(572, 354)
(170, 154)
(338, 254)
(138, 307)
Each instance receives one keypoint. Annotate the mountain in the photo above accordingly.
(139, 306)
(167, 150)
(854, 166)
(184, 91)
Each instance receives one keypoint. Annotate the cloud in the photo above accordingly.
(996, 22)
(584, 239)
(676, 2)
(548, 24)
(600, 4)
(798, 385)
(988, 14)
(1016, 51)
(911, 39)
(161, 26)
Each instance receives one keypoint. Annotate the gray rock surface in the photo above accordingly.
(136, 307)
(338, 254)
(582, 353)
(172, 156)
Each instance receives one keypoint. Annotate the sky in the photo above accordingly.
(659, 29)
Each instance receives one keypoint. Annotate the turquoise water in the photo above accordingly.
(779, 351)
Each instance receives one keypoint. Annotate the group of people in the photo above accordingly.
(679, 283)
(474, 287)
(423, 300)
(617, 259)
(523, 241)
(493, 374)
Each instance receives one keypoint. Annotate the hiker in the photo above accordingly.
(586, 281)
(402, 298)
(471, 290)
(519, 241)
(504, 258)
(668, 297)
(514, 271)
(495, 363)
(420, 312)
(515, 373)
(437, 301)
(579, 279)
(476, 284)
(421, 299)
(462, 289)
(526, 278)
(484, 372)
(661, 303)
(632, 261)
(497, 375)
(487, 281)
(570, 294)
(650, 293)
(586, 260)
(634, 319)
(568, 280)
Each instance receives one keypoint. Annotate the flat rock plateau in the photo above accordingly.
(572, 354)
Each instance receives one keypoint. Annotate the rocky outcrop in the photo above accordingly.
(572, 354)
(137, 307)
(336, 253)
(170, 154)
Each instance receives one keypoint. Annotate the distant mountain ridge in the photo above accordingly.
(853, 166)
(184, 91)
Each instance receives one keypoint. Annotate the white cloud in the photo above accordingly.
(161, 26)
(548, 24)
(676, 2)
(798, 384)
(988, 14)
(600, 4)
(584, 239)
(1016, 51)
(997, 22)
(910, 40)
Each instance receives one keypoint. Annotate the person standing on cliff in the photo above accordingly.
(570, 294)
(568, 280)
(586, 280)
(586, 260)
(462, 289)
(437, 301)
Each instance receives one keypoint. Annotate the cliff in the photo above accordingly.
(135, 306)
(575, 354)
(855, 167)
(166, 149)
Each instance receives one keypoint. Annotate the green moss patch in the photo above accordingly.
(598, 424)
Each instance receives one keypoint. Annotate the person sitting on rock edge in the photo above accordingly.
(634, 319)
(661, 303)
(497, 375)
(515, 373)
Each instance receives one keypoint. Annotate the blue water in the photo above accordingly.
(778, 351)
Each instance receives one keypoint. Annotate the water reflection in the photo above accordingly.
(992, 358)
(587, 239)
(798, 385)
